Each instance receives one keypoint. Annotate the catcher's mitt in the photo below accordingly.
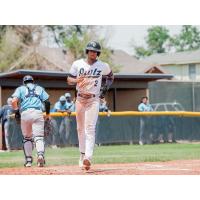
(48, 127)
(17, 116)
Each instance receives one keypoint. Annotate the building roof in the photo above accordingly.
(55, 59)
(57, 75)
(128, 63)
(177, 58)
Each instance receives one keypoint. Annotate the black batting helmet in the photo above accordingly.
(27, 78)
(93, 46)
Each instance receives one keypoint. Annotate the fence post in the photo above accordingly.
(193, 97)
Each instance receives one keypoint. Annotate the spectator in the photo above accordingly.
(144, 106)
(103, 105)
(69, 102)
(5, 113)
(61, 125)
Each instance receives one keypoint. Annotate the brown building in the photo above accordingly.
(124, 94)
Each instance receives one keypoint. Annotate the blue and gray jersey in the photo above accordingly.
(145, 107)
(31, 96)
(103, 108)
(59, 106)
(71, 106)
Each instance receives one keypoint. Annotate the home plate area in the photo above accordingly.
(178, 167)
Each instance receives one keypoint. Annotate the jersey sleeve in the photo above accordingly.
(141, 108)
(73, 71)
(43, 96)
(106, 69)
(56, 107)
(17, 93)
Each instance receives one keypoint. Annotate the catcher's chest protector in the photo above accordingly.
(31, 92)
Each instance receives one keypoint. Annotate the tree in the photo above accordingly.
(157, 38)
(2, 31)
(156, 41)
(10, 49)
(142, 52)
(15, 40)
(75, 39)
(188, 39)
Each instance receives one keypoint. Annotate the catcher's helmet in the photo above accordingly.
(27, 78)
(93, 46)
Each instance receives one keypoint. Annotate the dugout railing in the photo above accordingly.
(123, 127)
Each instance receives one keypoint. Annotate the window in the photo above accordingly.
(192, 71)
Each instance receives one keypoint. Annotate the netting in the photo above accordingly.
(185, 94)
(121, 127)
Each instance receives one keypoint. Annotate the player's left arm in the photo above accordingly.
(15, 106)
(109, 80)
(44, 97)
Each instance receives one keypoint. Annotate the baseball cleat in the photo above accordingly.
(28, 164)
(86, 164)
(40, 161)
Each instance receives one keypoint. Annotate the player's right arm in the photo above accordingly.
(73, 80)
(73, 72)
(15, 99)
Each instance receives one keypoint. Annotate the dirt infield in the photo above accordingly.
(180, 167)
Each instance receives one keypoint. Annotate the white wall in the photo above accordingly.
(181, 72)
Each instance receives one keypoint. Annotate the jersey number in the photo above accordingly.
(96, 82)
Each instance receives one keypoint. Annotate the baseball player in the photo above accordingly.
(87, 75)
(61, 124)
(103, 107)
(31, 97)
(5, 113)
(69, 102)
(144, 106)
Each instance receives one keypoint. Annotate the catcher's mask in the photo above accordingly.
(28, 79)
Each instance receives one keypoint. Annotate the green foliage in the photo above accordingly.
(76, 43)
(75, 38)
(142, 52)
(2, 31)
(188, 39)
(10, 50)
(156, 40)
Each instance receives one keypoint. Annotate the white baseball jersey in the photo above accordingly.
(92, 73)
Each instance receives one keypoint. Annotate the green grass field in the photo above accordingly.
(110, 154)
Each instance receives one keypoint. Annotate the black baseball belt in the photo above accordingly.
(86, 96)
